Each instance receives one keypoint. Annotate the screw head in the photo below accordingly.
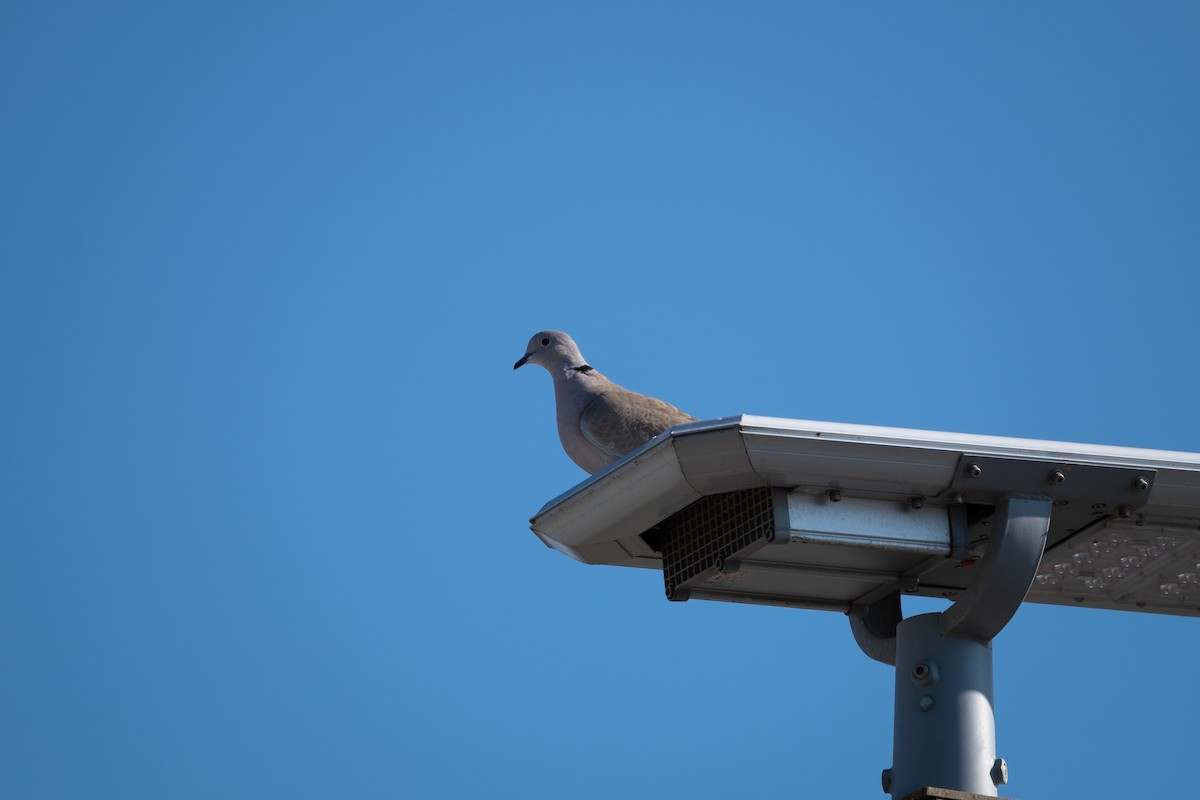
(1140, 484)
(1056, 476)
(916, 502)
(1000, 772)
(1124, 512)
(835, 495)
(973, 470)
(925, 703)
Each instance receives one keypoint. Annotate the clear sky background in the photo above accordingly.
(266, 470)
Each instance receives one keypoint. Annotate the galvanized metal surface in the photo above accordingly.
(855, 522)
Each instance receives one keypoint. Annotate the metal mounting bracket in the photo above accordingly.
(945, 728)
(1006, 572)
(1080, 492)
(875, 628)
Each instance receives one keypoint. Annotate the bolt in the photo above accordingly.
(973, 470)
(1000, 772)
(886, 780)
(1140, 484)
(925, 673)
(925, 703)
(1057, 476)
(835, 495)
(719, 563)
(1124, 512)
(916, 502)
(957, 499)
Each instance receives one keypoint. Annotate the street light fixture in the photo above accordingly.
(849, 518)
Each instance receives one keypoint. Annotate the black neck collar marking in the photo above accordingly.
(585, 369)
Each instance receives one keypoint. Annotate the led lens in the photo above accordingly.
(1152, 567)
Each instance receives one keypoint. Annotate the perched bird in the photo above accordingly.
(598, 421)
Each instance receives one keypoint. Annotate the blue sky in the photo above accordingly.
(267, 470)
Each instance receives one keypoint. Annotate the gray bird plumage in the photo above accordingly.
(598, 421)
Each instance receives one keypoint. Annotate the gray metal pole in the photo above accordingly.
(945, 727)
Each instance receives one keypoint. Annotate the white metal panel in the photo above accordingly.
(628, 498)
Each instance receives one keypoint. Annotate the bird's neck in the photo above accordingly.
(582, 373)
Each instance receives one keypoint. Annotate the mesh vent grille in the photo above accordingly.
(712, 530)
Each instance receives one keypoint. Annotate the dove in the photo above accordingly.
(598, 421)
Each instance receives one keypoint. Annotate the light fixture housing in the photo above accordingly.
(834, 516)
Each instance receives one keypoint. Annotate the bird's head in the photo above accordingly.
(552, 350)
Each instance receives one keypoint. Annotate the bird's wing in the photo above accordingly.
(619, 421)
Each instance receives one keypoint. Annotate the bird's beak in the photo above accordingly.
(522, 360)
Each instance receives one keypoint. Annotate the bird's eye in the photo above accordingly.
(545, 342)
